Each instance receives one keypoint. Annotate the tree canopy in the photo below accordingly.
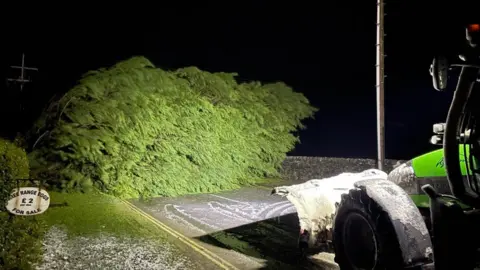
(137, 130)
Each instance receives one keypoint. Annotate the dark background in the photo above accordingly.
(325, 50)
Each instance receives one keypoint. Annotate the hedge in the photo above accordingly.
(136, 130)
(20, 237)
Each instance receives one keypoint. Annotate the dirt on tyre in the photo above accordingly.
(363, 235)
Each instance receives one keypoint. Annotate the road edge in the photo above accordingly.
(223, 264)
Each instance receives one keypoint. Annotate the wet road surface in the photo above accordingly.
(248, 228)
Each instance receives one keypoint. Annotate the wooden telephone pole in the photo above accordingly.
(380, 66)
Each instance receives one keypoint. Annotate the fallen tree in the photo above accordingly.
(136, 130)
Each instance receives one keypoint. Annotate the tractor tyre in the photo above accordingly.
(363, 235)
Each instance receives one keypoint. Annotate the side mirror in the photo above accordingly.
(439, 72)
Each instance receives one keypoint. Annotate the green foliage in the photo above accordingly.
(13, 165)
(136, 130)
(20, 237)
(13, 161)
(21, 241)
(20, 141)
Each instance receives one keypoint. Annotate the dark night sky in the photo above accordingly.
(326, 51)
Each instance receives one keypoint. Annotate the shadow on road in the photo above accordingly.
(273, 240)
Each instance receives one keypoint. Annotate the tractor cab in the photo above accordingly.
(461, 155)
(425, 215)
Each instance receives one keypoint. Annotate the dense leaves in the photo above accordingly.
(20, 237)
(13, 166)
(13, 163)
(136, 130)
(21, 241)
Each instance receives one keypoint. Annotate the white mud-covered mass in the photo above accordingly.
(315, 200)
(108, 252)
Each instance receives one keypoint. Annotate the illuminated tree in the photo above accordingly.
(136, 130)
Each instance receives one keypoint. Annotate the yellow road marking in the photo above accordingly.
(198, 248)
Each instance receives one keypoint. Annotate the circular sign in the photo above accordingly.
(28, 201)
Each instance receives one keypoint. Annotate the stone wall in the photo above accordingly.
(298, 168)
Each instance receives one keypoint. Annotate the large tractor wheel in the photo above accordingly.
(363, 236)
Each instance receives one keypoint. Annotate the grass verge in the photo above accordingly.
(95, 212)
(80, 214)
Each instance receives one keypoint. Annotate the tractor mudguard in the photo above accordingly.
(409, 225)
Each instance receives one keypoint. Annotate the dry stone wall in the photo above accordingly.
(300, 168)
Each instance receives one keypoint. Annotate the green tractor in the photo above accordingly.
(426, 215)
(427, 169)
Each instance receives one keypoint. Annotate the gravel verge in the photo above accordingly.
(108, 252)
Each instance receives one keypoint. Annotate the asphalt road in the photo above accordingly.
(243, 229)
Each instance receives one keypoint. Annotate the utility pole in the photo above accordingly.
(22, 80)
(380, 66)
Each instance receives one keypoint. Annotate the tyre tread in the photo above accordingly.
(390, 256)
